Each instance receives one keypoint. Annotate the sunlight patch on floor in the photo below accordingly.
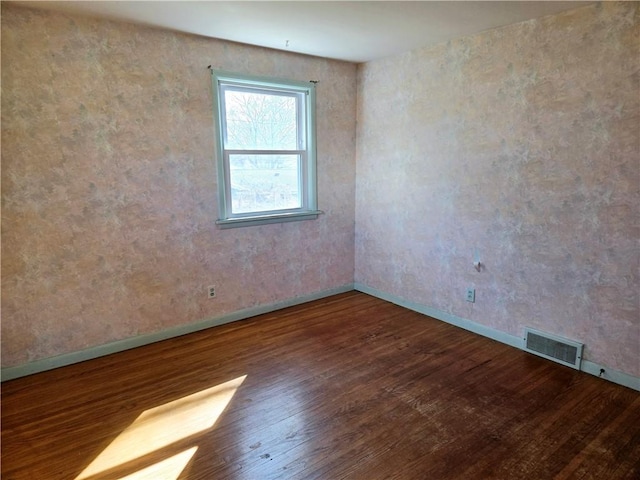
(168, 469)
(162, 426)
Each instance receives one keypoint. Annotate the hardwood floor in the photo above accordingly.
(345, 387)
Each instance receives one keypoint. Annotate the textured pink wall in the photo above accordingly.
(109, 185)
(523, 143)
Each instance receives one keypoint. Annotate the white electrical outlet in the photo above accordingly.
(471, 295)
(211, 291)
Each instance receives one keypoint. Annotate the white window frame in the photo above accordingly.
(306, 150)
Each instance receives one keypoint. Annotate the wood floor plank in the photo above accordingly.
(346, 387)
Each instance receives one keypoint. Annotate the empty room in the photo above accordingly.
(320, 240)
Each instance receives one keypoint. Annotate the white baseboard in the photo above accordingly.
(610, 374)
(11, 373)
(586, 366)
(45, 364)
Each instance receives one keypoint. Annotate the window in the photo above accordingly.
(266, 150)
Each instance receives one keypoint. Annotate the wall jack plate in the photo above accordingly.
(471, 295)
(211, 291)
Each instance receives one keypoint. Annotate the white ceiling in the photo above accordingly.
(356, 31)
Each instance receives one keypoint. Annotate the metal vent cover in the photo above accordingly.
(559, 349)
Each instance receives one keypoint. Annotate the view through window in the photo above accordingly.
(265, 121)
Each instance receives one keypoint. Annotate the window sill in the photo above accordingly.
(267, 219)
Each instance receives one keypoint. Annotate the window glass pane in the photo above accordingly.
(261, 183)
(260, 121)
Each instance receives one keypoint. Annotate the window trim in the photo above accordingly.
(309, 197)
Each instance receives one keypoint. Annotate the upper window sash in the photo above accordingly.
(299, 111)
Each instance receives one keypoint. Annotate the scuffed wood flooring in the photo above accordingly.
(348, 387)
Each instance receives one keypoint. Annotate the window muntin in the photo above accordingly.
(266, 150)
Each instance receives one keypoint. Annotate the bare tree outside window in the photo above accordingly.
(257, 121)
